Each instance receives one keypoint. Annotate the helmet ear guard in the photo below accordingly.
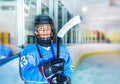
(36, 33)
(52, 34)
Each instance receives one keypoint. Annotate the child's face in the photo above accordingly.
(44, 31)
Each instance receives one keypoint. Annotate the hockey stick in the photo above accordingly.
(74, 21)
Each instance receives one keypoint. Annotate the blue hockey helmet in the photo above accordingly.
(43, 19)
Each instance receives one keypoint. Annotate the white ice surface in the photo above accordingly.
(99, 69)
(9, 73)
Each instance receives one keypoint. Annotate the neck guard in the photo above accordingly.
(44, 42)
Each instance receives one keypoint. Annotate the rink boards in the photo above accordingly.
(9, 69)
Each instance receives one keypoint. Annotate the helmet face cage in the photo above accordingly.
(44, 19)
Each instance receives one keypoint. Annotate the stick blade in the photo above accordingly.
(74, 21)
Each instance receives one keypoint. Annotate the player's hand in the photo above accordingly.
(54, 66)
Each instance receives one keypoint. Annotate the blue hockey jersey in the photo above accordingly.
(30, 62)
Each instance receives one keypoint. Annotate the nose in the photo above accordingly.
(45, 29)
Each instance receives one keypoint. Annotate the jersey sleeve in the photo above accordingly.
(68, 67)
(29, 70)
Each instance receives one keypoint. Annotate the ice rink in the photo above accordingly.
(95, 64)
(98, 69)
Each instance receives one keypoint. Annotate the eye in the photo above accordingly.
(41, 28)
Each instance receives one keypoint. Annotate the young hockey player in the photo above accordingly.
(39, 63)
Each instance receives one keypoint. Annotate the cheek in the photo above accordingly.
(49, 32)
(39, 34)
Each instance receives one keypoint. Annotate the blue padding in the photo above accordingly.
(6, 60)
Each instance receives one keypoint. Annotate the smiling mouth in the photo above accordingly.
(45, 34)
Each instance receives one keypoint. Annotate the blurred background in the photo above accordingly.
(100, 20)
(97, 35)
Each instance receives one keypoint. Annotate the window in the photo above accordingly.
(8, 7)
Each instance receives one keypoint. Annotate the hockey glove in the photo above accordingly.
(54, 66)
(60, 79)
